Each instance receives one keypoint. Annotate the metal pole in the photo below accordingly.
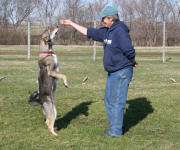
(164, 42)
(94, 46)
(29, 40)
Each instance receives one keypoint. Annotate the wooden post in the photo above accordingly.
(29, 40)
(94, 46)
(164, 42)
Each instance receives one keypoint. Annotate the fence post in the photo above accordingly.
(94, 46)
(164, 42)
(29, 40)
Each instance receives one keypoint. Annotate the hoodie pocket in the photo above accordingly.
(107, 59)
(116, 56)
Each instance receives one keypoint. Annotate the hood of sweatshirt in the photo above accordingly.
(121, 25)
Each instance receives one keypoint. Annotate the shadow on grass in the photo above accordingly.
(137, 111)
(75, 112)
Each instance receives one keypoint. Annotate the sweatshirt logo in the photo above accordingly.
(106, 41)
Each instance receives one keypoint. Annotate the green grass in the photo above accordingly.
(152, 115)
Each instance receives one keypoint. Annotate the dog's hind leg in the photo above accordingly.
(50, 113)
(33, 100)
(51, 120)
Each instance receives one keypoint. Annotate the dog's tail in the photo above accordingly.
(33, 99)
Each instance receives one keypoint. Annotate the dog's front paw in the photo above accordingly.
(65, 83)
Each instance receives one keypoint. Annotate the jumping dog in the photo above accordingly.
(48, 76)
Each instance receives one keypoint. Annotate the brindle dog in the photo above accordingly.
(48, 76)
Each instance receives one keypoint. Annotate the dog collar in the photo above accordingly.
(47, 52)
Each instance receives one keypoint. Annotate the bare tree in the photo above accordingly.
(126, 11)
(4, 12)
(73, 10)
(46, 10)
(94, 8)
(82, 12)
(144, 18)
(19, 10)
(13, 14)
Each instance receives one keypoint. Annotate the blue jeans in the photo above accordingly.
(115, 98)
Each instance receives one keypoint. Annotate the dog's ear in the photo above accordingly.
(49, 30)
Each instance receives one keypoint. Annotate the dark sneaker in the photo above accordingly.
(123, 130)
(105, 133)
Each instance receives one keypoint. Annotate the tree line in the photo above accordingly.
(144, 18)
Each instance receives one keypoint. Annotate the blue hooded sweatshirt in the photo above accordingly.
(118, 48)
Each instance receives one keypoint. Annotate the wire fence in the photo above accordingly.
(142, 35)
(68, 36)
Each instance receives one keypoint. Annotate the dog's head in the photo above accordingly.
(49, 34)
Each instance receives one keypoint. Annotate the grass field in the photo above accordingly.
(152, 115)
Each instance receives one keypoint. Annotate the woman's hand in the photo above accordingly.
(81, 29)
(66, 22)
(135, 64)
